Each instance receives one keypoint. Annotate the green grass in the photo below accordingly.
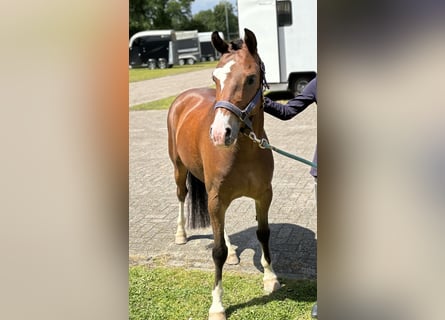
(161, 293)
(140, 74)
(161, 104)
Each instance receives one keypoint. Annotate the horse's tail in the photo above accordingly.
(198, 213)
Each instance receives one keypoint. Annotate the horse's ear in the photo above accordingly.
(219, 43)
(250, 41)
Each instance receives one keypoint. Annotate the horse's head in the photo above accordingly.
(238, 78)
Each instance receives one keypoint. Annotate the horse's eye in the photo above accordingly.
(250, 80)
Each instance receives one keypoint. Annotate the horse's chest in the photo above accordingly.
(242, 181)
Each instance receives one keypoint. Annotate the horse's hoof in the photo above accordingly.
(181, 239)
(271, 285)
(217, 315)
(232, 259)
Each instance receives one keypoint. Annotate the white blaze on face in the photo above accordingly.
(219, 125)
(225, 126)
(221, 73)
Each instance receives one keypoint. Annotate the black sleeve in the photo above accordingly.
(294, 106)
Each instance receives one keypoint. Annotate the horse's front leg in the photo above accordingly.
(219, 253)
(262, 205)
(232, 258)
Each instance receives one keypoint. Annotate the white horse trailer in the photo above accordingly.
(286, 32)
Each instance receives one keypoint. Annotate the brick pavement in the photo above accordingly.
(153, 205)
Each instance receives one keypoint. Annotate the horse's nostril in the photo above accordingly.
(228, 132)
(210, 131)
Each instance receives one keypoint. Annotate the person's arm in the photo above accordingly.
(294, 106)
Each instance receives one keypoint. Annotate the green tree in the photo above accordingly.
(215, 19)
(159, 14)
(220, 19)
(138, 11)
(206, 19)
(176, 14)
(180, 13)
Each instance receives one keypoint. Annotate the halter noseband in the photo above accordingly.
(244, 115)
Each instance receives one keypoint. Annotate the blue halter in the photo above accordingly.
(243, 115)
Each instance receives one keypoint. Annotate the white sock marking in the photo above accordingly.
(217, 294)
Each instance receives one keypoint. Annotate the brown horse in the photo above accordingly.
(211, 150)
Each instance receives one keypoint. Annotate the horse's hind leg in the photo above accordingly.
(181, 192)
(270, 280)
(232, 258)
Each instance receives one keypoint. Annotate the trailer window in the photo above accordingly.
(284, 13)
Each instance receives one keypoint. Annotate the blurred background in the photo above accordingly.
(64, 166)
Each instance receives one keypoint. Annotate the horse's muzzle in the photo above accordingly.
(222, 138)
(224, 129)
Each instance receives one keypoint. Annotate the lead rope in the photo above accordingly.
(264, 144)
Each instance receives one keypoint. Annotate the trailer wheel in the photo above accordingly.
(162, 63)
(151, 64)
(212, 59)
(299, 84)
(190, 61)
(181, 62)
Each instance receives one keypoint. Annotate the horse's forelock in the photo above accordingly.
(236, 44)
